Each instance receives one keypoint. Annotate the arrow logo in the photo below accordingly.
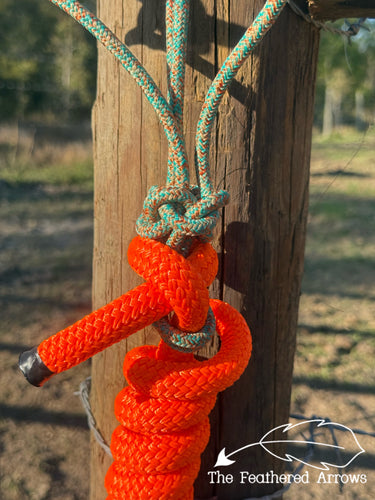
(223, 459)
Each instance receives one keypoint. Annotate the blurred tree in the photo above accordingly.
(47, 63)
(345, 85)
(365, 95)
(74, 68)
(21, 60)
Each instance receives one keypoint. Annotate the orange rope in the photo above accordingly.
(172, 278)
(164, 412)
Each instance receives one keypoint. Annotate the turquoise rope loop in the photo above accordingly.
(186, 341)
(179, 213)
(166, 216)
(171, 113)
(107, 38)
(252, 37)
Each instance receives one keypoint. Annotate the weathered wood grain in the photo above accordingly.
(260, 153)
(129, 158)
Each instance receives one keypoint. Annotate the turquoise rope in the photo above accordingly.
(180, 213)
(181, 220)
(177, 13)
(171, 215)
(105, 36)
(176, 21)
(252, 37)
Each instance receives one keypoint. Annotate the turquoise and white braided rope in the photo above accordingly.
(176, 21)
(179, 212)
(252, 37)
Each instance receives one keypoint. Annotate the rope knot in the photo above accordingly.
(175, 214)
(183, 285)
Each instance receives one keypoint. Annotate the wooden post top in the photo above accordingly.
(330, 10)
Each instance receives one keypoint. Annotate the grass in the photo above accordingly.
(27, 157)
(336, 338)
(334, 375)
(71, 174)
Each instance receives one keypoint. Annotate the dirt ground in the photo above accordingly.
(334, 374)
(45, 285)
(45, 270)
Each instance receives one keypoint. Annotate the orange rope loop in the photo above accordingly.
(173, 282)
(164, 412)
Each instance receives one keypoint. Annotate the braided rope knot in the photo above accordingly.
(169, 279)
(183, 285)
(163, 412)
(173, 213)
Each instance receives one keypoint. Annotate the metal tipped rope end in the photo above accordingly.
(33, 368)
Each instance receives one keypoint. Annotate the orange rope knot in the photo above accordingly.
(164, 412)
(183, 286)
(173, 283)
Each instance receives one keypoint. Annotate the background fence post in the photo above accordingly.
(335, 9)
(260, 153)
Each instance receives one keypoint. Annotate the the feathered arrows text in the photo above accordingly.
(223, 458)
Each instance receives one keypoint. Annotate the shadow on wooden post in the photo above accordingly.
(260, 153)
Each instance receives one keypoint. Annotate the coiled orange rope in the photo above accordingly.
(164, 412)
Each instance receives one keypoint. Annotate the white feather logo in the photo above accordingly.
(224, 460)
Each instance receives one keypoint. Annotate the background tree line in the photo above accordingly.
(48, 69)
(345, 92)
(47, 63)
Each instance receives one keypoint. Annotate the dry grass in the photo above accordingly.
(334, 365)
(45, 269)
(45, 284)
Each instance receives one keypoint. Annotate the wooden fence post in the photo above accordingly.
(323, 10)
(260, 154)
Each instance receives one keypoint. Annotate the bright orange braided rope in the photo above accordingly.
(164, 412)
(174, 283)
